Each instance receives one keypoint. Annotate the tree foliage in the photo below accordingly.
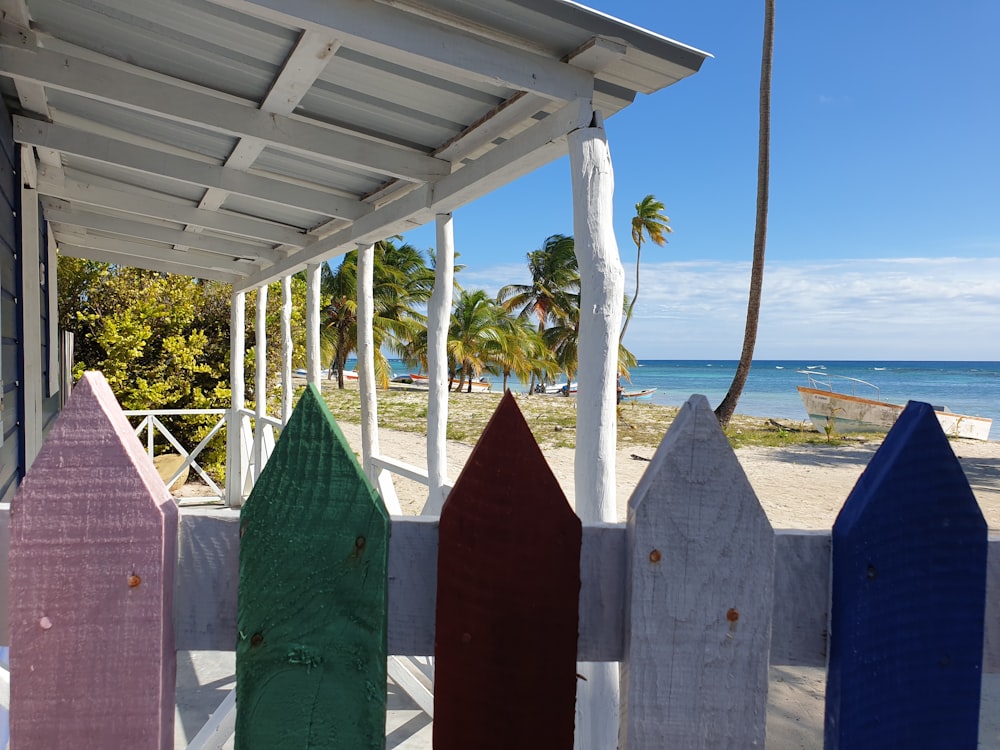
(161, 340)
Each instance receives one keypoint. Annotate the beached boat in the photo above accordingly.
(555, 389)
(644, 395)
(833, 404)
(483, 385)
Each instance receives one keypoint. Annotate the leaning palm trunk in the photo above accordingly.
(724, 411)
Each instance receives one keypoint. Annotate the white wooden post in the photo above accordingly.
(602, 288)
(260, 380)
(286, 348)
(234, 431)
(438, 320)
(31, 315)
(313, 281)
(52, 284)
(366, 359)
(699, 596)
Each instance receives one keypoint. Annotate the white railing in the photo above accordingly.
(152, 425)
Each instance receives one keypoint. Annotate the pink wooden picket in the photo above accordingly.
(93, 548)
(507, 599)
(699, 596)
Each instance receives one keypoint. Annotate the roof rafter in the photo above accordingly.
(129, 257)
(411, 41)
(155, 208)
(143, 231)
(180, 104)
(539, 144)
(192, 171)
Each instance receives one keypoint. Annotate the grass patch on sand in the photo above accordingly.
(552, 419)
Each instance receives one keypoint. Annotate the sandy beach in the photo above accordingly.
(800, 487)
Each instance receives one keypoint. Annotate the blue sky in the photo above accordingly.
(884, 224)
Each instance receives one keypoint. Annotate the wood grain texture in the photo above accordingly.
(93, 545)
(508, 586)
(311, 647)
(698, 596)
(908, 598)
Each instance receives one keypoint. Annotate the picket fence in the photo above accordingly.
(695, 595)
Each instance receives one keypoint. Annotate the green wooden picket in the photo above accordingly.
(311, 648)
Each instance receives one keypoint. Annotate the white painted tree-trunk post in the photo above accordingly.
(366, 359)
(602, 288)
(313, 282)
(234, 436)
(260, 380)
(438, 319)
(286, 348)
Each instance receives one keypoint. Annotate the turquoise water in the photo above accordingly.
(964, 387)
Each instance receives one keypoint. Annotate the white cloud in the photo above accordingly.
(911, 308)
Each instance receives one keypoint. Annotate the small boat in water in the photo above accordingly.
(833, 405)
(644, 395)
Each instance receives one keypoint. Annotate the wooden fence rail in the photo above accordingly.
(695, 594)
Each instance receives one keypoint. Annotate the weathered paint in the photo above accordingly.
(311, 647)
(908, 598)
(93, 545)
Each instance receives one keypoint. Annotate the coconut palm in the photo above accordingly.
(475, 332)
(554, 288)
(402, 281)
(520, 351)
(724, 411)
(650, 223)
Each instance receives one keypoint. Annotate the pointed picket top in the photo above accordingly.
(93, 545)
(311, 649)
(908, 598)
(698, 597)
(507, 598)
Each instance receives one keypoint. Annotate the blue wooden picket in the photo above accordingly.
(908, 599)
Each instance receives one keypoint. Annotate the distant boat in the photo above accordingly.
(555, 389)
(839, 411)
(483, 385)
(643, 395)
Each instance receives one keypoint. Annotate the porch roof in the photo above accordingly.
(240, 141)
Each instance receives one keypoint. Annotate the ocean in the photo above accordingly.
(971, 388)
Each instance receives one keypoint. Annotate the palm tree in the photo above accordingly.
(724, 411)
(520, 350)
(554, 288)
(648, 222)
(475, 332)
(402, 281)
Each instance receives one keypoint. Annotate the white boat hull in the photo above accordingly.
(842, 413)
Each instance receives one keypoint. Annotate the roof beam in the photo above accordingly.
(143, 231)
(129, 258)
(155, 208)
(415, 42)
(539, 144)
(181, 104)
(192, 171)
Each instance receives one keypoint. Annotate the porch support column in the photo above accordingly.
(31, 317)
(313, 281)
(438, 318)
(260, 380)
(602, 287)
(286, 348)
(366, 359)
(234, 431)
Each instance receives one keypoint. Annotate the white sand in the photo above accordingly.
(799, 487)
